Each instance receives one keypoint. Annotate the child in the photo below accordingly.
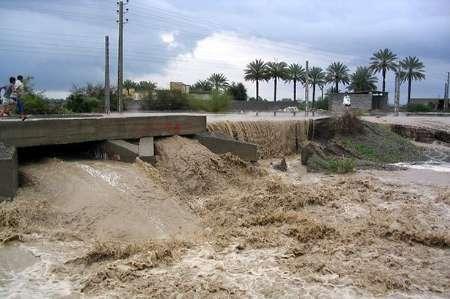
(5, 97)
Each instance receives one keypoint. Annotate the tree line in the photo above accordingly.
(362, 80)
(218, 82)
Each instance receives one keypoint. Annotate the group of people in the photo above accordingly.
(11, 97)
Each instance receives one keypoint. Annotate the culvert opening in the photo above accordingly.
(74, 151)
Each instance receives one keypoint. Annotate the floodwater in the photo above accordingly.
(101, 196)
(26, 271)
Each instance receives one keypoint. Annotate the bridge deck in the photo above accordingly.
(48, 131)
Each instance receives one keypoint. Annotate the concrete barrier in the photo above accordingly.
(9, 179)
(125, 151)
(221, 145)
(51, 131)
(120, 150)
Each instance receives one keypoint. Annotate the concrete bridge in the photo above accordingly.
(66, 130)
(113, 132)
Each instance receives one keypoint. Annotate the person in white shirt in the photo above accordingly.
(16, 95)
(347, 102)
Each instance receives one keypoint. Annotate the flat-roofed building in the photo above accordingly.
(180, 86)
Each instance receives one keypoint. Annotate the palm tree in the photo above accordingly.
(202, 85)
(128, 84)
(337, 73)
(295, 73)
(255, 72)
(146, 86)
(362, 80)
(218, 81)
(316, 78)
(413, 69)
(276, 70)
(383, 61)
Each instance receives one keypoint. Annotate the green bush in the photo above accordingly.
(79, 103)
(167, 100)
(238, 91)
(331, 165)
(419, 108)
(218, 102)
(36, 103)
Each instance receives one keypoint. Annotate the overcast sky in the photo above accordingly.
(61, 42)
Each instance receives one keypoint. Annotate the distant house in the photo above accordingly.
(361, 101)
(180, 86)
(437, 104)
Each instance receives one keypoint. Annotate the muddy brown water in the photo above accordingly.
(103, 200)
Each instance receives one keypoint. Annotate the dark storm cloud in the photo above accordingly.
(61, 42)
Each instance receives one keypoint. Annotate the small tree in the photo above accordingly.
(295, 73)
(128, 85)
(383, 61)
(202, 86)
(337, 73)
(316, 78)
(362, 80)
(238, 91)
(412, 70)
(219, 81)
(275, 71)
(255, 72)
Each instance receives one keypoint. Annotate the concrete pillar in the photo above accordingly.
(9, 178)
(147, 149)
(120, 150)
(221, 145)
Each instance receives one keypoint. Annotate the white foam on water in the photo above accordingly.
(37, 280)
(429, 165)
(109, 177)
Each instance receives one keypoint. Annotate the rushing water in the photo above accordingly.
(428, 165)
(26, 272)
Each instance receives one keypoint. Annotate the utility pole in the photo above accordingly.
(397, 94)
(307, 89)
(446, 101)
(107, 84)
(120, 58)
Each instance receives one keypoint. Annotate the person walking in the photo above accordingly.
(6, 97)
(17, 94)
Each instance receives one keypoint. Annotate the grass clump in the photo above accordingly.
(339, 166)
(217, 102)
(343, 165)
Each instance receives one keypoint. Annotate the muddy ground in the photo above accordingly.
(229, 229)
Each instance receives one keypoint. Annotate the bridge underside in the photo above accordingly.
(55, 131)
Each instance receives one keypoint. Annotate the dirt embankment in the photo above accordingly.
(359, 143)
(263, 236)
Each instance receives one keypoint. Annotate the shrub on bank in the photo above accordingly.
(167, 100)
(340, 165)
(419, 108)
(218, 102)
(79, 103)
(38, 104)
